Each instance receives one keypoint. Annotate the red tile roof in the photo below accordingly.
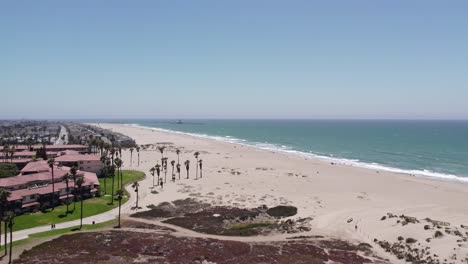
(89, 178)
(40, 165)
(77, 157)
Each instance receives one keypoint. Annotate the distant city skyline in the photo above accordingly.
(234, 59)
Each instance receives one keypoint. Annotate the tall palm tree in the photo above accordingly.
(4, 194)
(120, 195)
(6, 150)
(200, 163)
(161, 149)
(187, 167)
(135, 187)
(173, 175)
(165, 168)
(73, 172)
(152, 170)
(177, 152)
(79, 183)
(196, 167)
(178, 169)
(138, 151)
(112, 174)
(158, 171)
(112, 153)
(118, 164)
(51, 165)
(10, 217)
(12, 153)
(66, 178)
(131, 156)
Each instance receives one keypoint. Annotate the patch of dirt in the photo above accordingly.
(119, 246)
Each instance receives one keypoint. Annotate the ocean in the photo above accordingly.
(421, 148)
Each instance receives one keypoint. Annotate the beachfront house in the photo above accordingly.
(31, 190)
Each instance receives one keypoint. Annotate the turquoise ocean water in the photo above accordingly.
(424, 148)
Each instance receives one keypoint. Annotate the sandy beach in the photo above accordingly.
(341, 201)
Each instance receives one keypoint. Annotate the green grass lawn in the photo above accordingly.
(62, 231)
(91, 206)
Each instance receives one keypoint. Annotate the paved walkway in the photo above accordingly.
(99, 218)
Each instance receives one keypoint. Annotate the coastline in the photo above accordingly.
(423, 173)
(329, 194)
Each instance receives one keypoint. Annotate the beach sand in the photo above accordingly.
(330, 194)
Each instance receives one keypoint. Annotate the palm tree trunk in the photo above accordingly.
(105, 185)
(137, 199)
(120, 203)
(6, 236)
(138, 159)
(81, 213)
(11, 243)
(67, 195)
(121, 180)
(118, 179)
(53, 188)
(112, 196)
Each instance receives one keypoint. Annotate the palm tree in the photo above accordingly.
(200, 163)
(10, 219)
(51, 165)
(112, 174)
(66, 178)
(12, 153)
(138, 151)
(196, 167)
(4, 194)
(177, 152)
(161, 149)
(173, 175)
(73, 173)
(165, 168)
(178, 169)
(187, 167)
(152, 170)
(79, 183)
(158, 171)
(120, 195)
(135, 186)
(131, 156)
(112, 153)
(6, 150)
(118, 164)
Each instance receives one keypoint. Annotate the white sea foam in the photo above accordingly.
(331, 158)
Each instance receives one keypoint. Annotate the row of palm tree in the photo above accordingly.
(112, 165)
(137, 148)
(157, 168)
(8, 219)
(8, 151)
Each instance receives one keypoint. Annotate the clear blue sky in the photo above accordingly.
(234, 59)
